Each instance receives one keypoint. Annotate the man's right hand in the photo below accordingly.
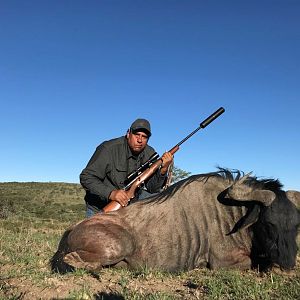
(119, 196)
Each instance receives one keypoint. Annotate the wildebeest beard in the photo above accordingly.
(274, 235)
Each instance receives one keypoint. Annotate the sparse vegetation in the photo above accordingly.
(179, 174)
(33, 217)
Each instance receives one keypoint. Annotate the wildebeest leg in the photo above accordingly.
(95, 245)
(236, 258)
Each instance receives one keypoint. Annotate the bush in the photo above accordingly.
(6, 209)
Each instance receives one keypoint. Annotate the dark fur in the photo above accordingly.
(275, 232)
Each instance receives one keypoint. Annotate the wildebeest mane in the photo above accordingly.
(273, 185)
(232, 175)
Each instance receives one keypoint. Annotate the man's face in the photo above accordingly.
(137, 141)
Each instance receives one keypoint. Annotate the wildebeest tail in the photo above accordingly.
(56, 262)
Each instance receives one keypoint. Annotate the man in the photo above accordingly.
(105, 174)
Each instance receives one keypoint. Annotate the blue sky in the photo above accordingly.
(75, 73)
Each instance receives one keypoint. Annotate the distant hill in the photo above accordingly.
(39, 199)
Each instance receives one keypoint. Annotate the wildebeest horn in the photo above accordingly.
(250, 218)
(244, 178)
(242, 192)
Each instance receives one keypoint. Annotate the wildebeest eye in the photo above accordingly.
(271, 230)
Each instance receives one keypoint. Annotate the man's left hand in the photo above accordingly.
(167, 159)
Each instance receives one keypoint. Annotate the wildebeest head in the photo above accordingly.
(275, 233)
(274, 220)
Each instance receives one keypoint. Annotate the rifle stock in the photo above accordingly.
(138, 181)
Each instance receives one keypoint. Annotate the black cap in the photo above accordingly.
(141, 125)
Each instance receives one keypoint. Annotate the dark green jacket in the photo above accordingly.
(108, 168)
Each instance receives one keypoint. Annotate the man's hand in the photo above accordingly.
(119, 196)
(167, 159)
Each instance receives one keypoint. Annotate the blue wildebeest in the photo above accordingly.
(217, 220)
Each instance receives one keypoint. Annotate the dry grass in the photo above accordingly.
(34, 216)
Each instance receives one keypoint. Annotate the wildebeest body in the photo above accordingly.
(181, 235)
(206, 220)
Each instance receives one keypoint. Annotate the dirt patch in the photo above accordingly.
(106, 285)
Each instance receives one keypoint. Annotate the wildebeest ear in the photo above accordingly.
(294, 196)
(250, 218)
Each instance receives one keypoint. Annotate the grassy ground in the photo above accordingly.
(33, 217)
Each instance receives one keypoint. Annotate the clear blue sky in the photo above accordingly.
(75, 73)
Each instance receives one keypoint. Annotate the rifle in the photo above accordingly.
(131, 177)
(151, 166)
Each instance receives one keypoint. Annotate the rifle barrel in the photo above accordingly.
(203, 124)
